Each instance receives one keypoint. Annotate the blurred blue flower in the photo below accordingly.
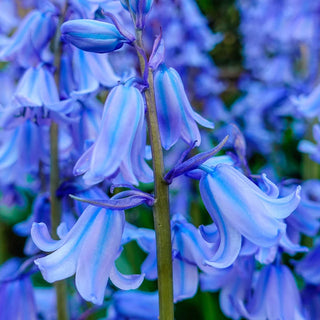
(16, 295)
(305, 219)
(313, 149)
(27, 44)
(275, 296)
(311, 301)
(239, 208)
(308, 267)
(134, 305)
(189, 252)
(36, 97)
(234, 283)
(82, 73)
(308, 105)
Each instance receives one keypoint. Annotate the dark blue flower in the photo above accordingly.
(176, 117)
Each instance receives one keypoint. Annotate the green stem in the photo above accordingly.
(161, 212)
(60, 286)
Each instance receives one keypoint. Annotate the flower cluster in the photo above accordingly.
(100, 121)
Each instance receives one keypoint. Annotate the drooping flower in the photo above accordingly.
(35, 96)
(308, 267)
(93, 35)
(17, 298)
(189, 252)
(275, 296)
(311, 301)
(176, 117)
(28, 42)
(240, 209)
(88, 250)
(313, 149)
(139, 8)
(120, 145)
(234, 283)
(305, 219)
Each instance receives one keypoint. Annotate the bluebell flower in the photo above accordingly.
(137, 5)
(88, 250)
(305, 219)
(240, 209)
(29, 41)
(22, 148)
(311, 148)
(119, 149)
(234, 282)
(139, 8)
(176, 117)
(93, 35)
(16, 295)
(35, 96)
(308, 267)
(40, 213)
(275, 296)
(189, 252)
(308, 105)
(132, 305)
(83, 72)
(311, 301)
(8, 16)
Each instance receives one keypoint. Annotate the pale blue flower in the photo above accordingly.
(240, 209)
(120, 146)
(88, 250)
(275, 296)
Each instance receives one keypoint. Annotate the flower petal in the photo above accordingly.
(124, 281)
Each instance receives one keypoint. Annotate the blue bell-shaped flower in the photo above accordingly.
(241, 209)
(120, 146)
(88, 250)
(176, 117)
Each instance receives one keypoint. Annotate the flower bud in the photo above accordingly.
(93, 35)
